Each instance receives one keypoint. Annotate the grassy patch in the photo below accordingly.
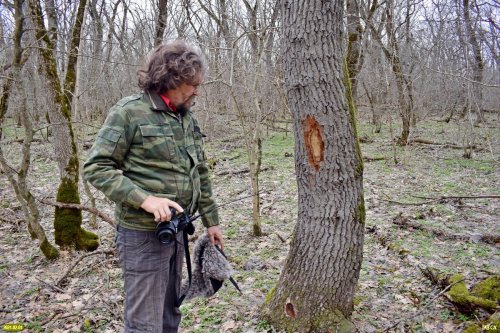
(206, 319)
(30, 292)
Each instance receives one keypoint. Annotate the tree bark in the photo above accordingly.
(354, 38)
(316, 288)
(161, 23)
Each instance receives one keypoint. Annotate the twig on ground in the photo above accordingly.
(52, 317)
(282, 239)
(50, 285)
(65, 275)
(424, 307)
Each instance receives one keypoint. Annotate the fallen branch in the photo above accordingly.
(97, 212)
(20, 141)
(238, 172)
(409, 203)
(464, 300)
(454, 197)
(431, 200)
(65, 275)
(373, 159)
(444, 145)
(405, 223)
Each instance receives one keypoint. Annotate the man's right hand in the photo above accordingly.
(160, 207)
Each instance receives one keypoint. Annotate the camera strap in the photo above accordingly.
(188, 264)
(233, 281)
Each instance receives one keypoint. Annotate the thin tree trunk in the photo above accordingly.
(393, 55)
(477, 66)
(161, 23)
(67, 222)
(355, 54)
(18, 178)
(315, 291)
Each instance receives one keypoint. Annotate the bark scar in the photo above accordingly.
(290, 309)
(313, 138)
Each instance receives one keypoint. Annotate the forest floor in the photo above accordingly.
(393, 295)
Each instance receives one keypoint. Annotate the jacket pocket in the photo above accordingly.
(158, 142)
(107, 140)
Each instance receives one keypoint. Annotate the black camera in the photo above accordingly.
(166, 231)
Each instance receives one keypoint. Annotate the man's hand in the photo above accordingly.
(160, 207)
(215, 236)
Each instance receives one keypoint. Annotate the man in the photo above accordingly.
(148, 158)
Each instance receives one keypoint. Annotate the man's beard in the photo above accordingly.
(183, 108)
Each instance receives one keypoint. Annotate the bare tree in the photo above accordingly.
(18, 177)
(476, 59)
(248, 64)
(392, 51)
(315, 291)
(67, 221)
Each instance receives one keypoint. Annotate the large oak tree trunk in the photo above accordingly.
(315, 291)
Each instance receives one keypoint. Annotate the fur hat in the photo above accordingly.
(210, 269)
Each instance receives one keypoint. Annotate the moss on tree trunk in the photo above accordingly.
(67, 222)
(48, 250)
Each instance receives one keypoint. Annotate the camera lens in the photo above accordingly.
(164, 233)
(165, 237)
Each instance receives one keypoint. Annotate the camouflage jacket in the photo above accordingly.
(144, 149)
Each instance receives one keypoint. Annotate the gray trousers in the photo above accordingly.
(152, 275)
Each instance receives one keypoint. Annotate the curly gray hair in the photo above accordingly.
(171, 65)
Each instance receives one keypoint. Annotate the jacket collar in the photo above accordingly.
(157, 104)
(156, 101)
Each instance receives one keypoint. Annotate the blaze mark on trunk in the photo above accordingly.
(313, 138)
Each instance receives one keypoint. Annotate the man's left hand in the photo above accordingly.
(215, 236)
